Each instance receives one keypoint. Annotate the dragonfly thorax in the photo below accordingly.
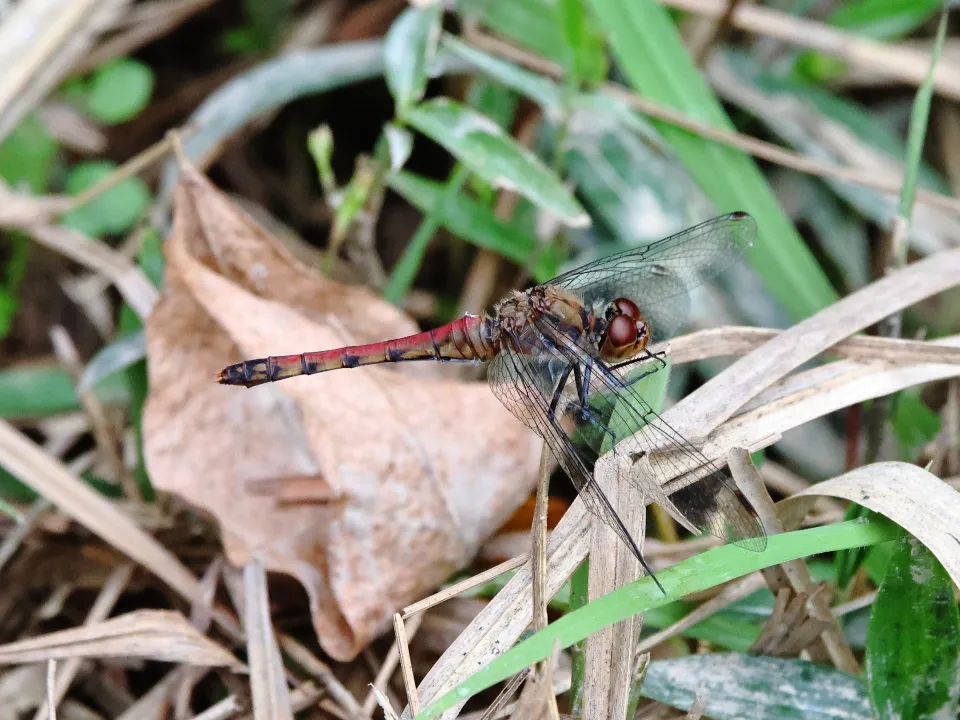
(627, 331)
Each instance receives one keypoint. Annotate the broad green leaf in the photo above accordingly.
(913, 644)
(119, 91)
(409, 49)
(27, 156)
(469, 220)
(734, 686)
(706, 570)
(482, 146)
(36, 391)
(114, 211)
(534, 24)
(648, 49)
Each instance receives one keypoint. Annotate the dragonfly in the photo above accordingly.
(566, 357)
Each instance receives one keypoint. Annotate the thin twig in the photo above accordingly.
(131, 167)
(406, 668)
(102, 607)
(539, 545)
(464, 585)
(716, 33)
(386, 670)
(796, 572)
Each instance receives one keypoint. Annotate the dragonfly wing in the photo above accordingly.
(677, 474)
(527, 385)
(659, 276)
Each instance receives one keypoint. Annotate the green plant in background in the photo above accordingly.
(264, 23)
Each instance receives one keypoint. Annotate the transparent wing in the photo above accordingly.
(536, 388)
(677, 473)
(659, 276)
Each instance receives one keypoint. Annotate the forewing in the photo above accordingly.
(526, 384)
(677, 473)
(659, 276)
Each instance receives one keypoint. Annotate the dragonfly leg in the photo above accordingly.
(648, 356)
(600, 504)
(583, 387)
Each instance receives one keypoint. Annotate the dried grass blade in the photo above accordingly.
(51, 479)
(102, 607)
(154, 634)
(268, 685)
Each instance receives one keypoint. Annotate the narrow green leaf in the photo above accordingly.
(914, 423)
(913, 644)
(409, 263)
(541, 90)
(883, 19)
(482, 146)
(649, 51)
(409, 50)
(534, 24)
(579, 597)
(919, 116)
(699, 573)
(734, 686)
(120, 90)
(588, 60)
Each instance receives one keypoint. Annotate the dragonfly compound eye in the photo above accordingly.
(621, 337)
(627, 307)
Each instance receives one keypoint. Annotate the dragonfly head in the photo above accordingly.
(626, 332)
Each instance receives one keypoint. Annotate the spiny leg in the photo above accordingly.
(643, 358)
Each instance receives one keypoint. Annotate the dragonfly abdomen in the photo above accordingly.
(469, 338)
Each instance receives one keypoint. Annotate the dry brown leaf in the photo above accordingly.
(424, 468)
(155, 634)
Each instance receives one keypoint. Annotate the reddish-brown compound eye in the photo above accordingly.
(622, 331)
(627, 307)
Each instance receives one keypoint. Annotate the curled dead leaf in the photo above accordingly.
(417, 470)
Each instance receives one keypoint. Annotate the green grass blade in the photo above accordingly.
(694, 575)
(919, 117)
